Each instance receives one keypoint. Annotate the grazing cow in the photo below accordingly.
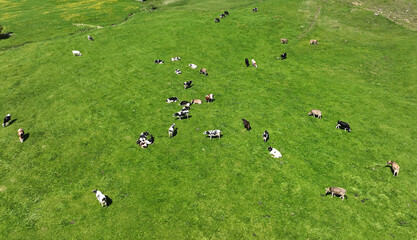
(265, 136)
(196, 101)
(343, 125)
(222, 15)
(175, 58)
(172, 99)
(226, 13)
(177, 71)
(395, 167)
(337, 191)
(192, 65)
(6, 120)
(213, 133)
(187, 84)
(314, 42)
(21, 134)
(247, 62)
(209, 98)
(216, 20)
(283, 56)
(254, 63)
(158, 61)
(76, 53)
(90, 38)
(171, 130)
(185, 103)
(101, 198)
(275, 153)
(181, 114)
(315, 113)
(246, 124)
(255, 9)
(284, 41)
(203, 71)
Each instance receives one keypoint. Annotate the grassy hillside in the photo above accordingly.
(84, 115)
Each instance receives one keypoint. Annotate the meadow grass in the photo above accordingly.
(84, 115)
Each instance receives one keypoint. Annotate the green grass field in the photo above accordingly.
(84, 114)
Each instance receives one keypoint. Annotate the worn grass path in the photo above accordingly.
(84, 115)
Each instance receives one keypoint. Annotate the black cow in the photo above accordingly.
(158, 61)
(343, 125)
(246, 124)
(226, 13)
(185, 103)
(216, 20)
(265, 136)
(247, 62)
(283, 56)
(6, 120)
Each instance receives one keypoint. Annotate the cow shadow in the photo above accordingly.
(211, 101)
(335, 195)
(11, 122)
(109, 201)
(175, 132)
(181, 118)
(26, 136)
(390, 168)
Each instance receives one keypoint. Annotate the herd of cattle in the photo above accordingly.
(146, 139)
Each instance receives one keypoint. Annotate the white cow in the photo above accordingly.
(101, 198)
(192, 65)
(275, 153)
(76, 53)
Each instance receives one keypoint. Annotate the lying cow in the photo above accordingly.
(6, 120)
(275, 153)
(284, 41)
(226, 13)
(76, 53)
(158, 61)
(337, 191)
(213, 133)
(187, 84)
(192, 65)
(21, 134)
(265, 136)
(343, 125)
(314, 42)
(395, 167)
(246, 124)
(283, 56)
(90, 38)
(172, 99)
(177, 71)
(209, 98)
(196, 101)
(216, 20)
(185, 103)
(247, 62)
(181, 114)
(175, 58)
(315, 113)
(254, 63)
(255, 9)
(203, 71)
(222, 15)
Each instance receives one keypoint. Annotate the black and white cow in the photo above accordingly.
(343, 125)
(6, 120)
(247, 62)
(283, 56)
(158, 61)
(216, 20)
(101, 198)
(213, 133)
(222, 15)
(265, 136)
(177, 71)
(181, 114)
(172, 99)
(175, 58)
(255, 9)
(90, 38)
(187, 84)
(171, 130)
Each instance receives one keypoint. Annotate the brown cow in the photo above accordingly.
(395, 167)
(203, 71)
(314, 42)
(284, 40)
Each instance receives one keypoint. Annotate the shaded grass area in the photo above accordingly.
(84, 115)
